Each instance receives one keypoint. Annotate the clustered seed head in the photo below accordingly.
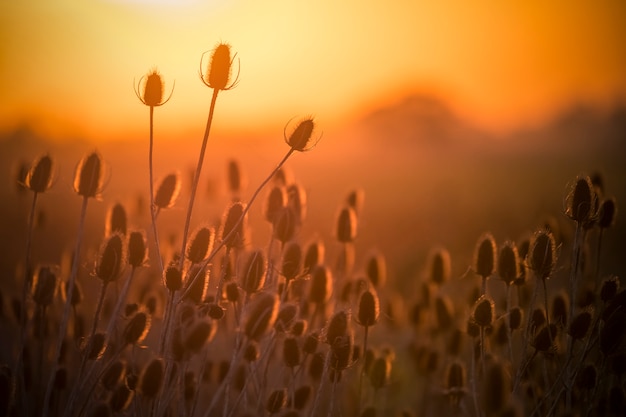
(168, 191)
(234, 232)
(609, 288)
(136, 329)
(380, 372)
(260, 315)
(199, 334)
(116, 220)
(376, 270)
(314, 255)
(321, 284)
(339, 325)
(44, 286)
(300, 138)
(137, 249)
(153, 89)
(341, 350)
(560, 309)
(276, 401)
(286, 316)
(200, 245)
(516, 316)
(218, 72)
(173, 277)
(112, 255)
(196, 283)
(151, 379)
(292, 260)
(39, 177)
(508, 262)
(542, 254)
(254, 272)
(607, 213)
(296, 201)
(485, 256)
(235, 177)
(88, 178)
(581, 201)
(276, 200)
(484, 311)
(369, 308)
(97, 348)
(439, 271)
(346, 225)
(545, 339)
(285, 224)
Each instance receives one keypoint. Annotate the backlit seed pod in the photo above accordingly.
(173, 277)
(380, 372)
(538, 318)
(98, 346)
(560, 309)
(581, 201)
(472, 329)
(44, 286)
(484, 312)
(113, 375)
(136, 329)
(508, 262)
(151, 379)
(314, 255)
(39, 177)
(253, 272)
(296, 201)
(542, 254)
(291, 352)
(236, 181)
(580, 325)
(276, 401)
(116, 220)
(218, 72)
(369, 308)
(339, 325)
(260, 315)
(153, 90)
(346, 225)
(285, 225)
(300, 138)
(234, 232)
(609, 288)
(276, 200)
(485, 256)
(111, 257)
(455, 377)
(355, 199)
(198, 335)
(495, 390)
(607, 213)
(286, 317)
(439, 266)
(168, 191)
(200, 245)
(516, 315)
(291, 264)
(376, 270)
(137, 250)
(321, 284)
(299, 327)
(196, 283)
(88, 178)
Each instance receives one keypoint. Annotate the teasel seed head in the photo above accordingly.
(198, 335)
(607, 213)
(296, 201)
(137, 249)
(341, 350)
(88, 179)
(380, 372)
(260, 315)
(200, 245)
(136, 329)
(580, 325)
(439, 266)
(276, 200)
(376, 269)
(291, 265)
(44, 286)
(485, 256)
(151, 379)
(218, 72)
(609, 288)
(314, 255)
(152, 94)
(299, 327)
(39, 177)
(516, 316)
(542, 254)
(321, 284)
(369, 308)
(232, 292)
(276, 401)
(172, 276)
(346, 225)
(545, 339)
(508, 262)
(286, 316)
(254, 272)
(168, 191)
(233, 231)
(98, 346)
(116, 220)
(236, 179)
(581, 204)
(484, 312)
(285, 225)
(538, 318)
(455, 379)
(196, 283)
(300, 138)
(111, 258)
(339, 325)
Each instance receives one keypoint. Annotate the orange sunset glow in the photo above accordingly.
(312, 208)
(69, 68)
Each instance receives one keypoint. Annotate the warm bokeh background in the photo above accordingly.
(67, 68)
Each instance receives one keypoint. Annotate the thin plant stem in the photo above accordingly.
(153, 213)
(66, 308)
(360, 394)
(508, 322)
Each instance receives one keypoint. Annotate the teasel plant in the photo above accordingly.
(508, 270)
(88, 183)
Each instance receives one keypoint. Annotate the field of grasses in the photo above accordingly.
(407, 266)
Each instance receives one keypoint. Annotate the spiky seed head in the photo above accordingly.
(168, 191)
(581, 202)
(444, 312)
(296, 201)
(201, 244)
(609, 288)
(235, 177)
(538, 318)
(111, 258)
(339, 325)
(607, 213)
(376, 269)
(89, 176)
(136, 329)
(137, 249)
(346, 225)
(97, 348)
(321, 284)
(151, 379)
(39, 177)
(285, 224)
(200, 333)
(116, 220)
(580, 324)
(439, 270)
(153, 89)
(276, 401)
(300, 137)
(369, 308)
(114, 374)
(380, 372)
(196, 283)
(260, 315)
(218, 72)
(234, 232)
(314, 255)
(508, 262)
(542, 254)
(516, 316)
(254, 272)
(286, 317)
(560, 309)
(484, 311)
(495, 389)
(276, 200)
(291, 260)
(485, 256)
(341, 350)
(44, 286)
(173, 277)
(291, 352)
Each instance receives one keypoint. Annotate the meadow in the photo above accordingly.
(410, 265)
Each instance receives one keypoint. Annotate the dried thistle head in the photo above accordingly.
(484, 312)
(111, 258)
(376, 269)
(291, 264)
(196, 283)
(172, 276)
(39, 177)
(508, 262)
(485, 256)
(260, 315)
(44, 286)
(116, 220)
(236, 179)
(439, 266)
(300, 138)
(254, 271)
(581, 201)
(168, 191)
(137, 249)
(137, 328)
(314, 255)
(234, 230)
(541, 257)
(346, 228)
(200, 244)
(369, 308)
(285, 224)
(199, 334)
(321, 284)
(276, 401)
(296, 201)
(89, 176)
(152, 93)
(339, 325)
(607, 213)
(276, 200)
(218, 73)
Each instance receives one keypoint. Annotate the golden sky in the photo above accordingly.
(69, 66)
